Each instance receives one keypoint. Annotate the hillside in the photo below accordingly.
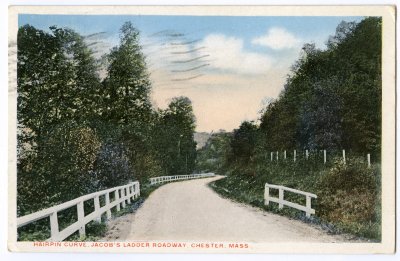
(201, 138)
(331, 102)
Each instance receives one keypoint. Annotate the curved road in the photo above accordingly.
(190, 210)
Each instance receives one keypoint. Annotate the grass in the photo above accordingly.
(348, 195)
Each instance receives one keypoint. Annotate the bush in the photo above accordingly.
(349, 194)
(63, 156)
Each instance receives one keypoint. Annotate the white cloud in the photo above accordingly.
(227, 53)
(277, 38)
(230, 88)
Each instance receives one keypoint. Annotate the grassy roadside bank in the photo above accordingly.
(348, 195)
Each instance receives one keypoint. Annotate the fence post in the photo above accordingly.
(97, 207)
(280, 198)
(54, 226)
(324, 156)
(277, 156)
(308, 206)
(117, 199)
(81, 216)
(107, 205)
(123, 194)
(294, 156)
(284, 154)
(344, 156)
(129, 190)
(272, 155)
(307, 154)
(266, 195)
(369, 160)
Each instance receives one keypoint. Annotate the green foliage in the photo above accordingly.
(332, 99)
(244, 141)
(57, 84)
(78, 134)
(350, 195)
(127, 86)
(94, 231)
(36, 231)
(51, 87)
(213, 157)
(64, 157)
(174, 134)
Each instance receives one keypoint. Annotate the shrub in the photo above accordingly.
(349, 194)
(63, 156)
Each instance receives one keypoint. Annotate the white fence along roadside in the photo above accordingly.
(308, 153)
(282, 202)
(122, 195)
(162, 179)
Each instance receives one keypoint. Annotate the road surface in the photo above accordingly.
(190, 210)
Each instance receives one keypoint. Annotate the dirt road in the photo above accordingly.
(190, 210)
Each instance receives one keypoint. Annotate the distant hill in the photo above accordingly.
(201, 138)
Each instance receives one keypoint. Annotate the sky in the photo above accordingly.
(229, 66)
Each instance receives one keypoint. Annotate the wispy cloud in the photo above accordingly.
(173, 58)
(229, 55)
(278, 38)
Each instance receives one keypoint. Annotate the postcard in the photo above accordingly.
(202, 129)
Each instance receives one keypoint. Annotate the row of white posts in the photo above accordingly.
(162, 179)
(282, 202)
(122, 196)
(308, 155)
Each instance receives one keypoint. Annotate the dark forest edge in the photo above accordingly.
(87, 124)
(331, 101)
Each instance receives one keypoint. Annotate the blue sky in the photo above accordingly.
(236, 62)
(313, 28)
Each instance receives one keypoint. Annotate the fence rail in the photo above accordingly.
(307, 153)
(162, 179)
(122, 195)
(282, 202)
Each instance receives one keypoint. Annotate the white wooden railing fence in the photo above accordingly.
(122, 195)
(275, 156)
(162, 179)
(282, 202)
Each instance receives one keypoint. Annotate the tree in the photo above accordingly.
(57, 81)
(175, 133)
(126, 103)
(244, 141)
(127, 85)
(320, 124)
(214, 156)
(57, 78)
(332, 99)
